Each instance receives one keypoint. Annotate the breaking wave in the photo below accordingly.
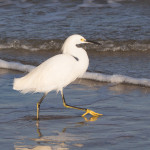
(31, 45)
(116, 78)
(47, 45)
(15, 66)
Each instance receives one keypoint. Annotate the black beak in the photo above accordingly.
(93, 42)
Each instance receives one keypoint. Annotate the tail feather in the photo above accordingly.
(21, 85)
(16, 85)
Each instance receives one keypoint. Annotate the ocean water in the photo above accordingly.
(116, 84)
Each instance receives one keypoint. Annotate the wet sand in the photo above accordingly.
(125, 123)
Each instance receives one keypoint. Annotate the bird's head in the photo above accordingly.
(74, 40)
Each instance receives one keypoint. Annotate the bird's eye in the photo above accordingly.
(83, 40)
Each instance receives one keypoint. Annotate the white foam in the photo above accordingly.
(90, 3)
(16, 44)
(109, 3)
(114, 3)
(88, 75)
(15, 66)
(117, 79)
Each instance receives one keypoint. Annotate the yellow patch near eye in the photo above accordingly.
(83, 40)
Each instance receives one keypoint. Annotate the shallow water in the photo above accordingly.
(32, 31)
(124, 124)
(125, 19)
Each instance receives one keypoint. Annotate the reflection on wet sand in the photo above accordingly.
(7, 71)
(125, 89)
(59, 140)
(35, 148)
(3, 71)
(92, 84)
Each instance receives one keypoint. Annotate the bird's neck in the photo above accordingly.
(75, 51)
(80, 56)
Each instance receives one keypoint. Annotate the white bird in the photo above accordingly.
(57, 72)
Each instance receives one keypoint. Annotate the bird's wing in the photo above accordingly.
(53, 74)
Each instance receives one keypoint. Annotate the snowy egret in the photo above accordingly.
(57, 72)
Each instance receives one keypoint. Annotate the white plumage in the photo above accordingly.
(57, 72)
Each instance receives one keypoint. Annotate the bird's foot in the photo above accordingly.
(88, 111)
(93, 118)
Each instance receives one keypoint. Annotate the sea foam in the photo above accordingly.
(116, 78)
(109, 3)
(16, 66)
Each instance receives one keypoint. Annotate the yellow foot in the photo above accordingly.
(93, 118)
(88, 111)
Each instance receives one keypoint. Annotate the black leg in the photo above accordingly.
(39, 103)
(68, 106)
